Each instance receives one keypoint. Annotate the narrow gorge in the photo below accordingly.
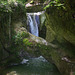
(37, 37)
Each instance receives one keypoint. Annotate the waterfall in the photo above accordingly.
(33, 25)
(33, 22)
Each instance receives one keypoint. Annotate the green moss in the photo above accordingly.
(26, 42)
(61, 24)
(36, 8)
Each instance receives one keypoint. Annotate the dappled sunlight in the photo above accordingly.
(9, 1)
(12, 73)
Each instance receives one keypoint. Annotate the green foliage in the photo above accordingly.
(24, 35)
(26, 42)
(19, 36)
(31, 2)
(7, 6)
(59, 4)
(47, 6)
(4, 6)
(23, 1)
(42, 46)
(55, 3)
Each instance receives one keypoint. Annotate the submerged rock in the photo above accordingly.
(24, 61)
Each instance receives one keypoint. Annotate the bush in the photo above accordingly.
(24, 35)
(26, 42)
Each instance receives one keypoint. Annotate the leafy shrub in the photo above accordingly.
(4, 6)
(7, 6)
(55, 3)
(21, 36)
(26, 42)
(24, 35)
(18, 38)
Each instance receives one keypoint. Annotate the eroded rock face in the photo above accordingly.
(60, 30)
(61, 22)
(7, 32)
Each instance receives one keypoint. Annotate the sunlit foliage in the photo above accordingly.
(6, 5)
(55, 3)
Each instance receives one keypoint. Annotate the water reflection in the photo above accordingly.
(35, 66)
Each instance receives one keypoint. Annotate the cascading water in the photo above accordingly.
(33, 22)
(33, 25)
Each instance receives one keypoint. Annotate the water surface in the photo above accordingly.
(35, 66)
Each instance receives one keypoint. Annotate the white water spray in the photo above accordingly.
(33, 22)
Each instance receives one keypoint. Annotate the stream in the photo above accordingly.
(35, 66)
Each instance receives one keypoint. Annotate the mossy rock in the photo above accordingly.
(35, 8)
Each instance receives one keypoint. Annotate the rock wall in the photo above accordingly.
(61, 22)
(60, 30)
(7, 31)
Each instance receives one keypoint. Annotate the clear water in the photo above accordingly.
(35, 66)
